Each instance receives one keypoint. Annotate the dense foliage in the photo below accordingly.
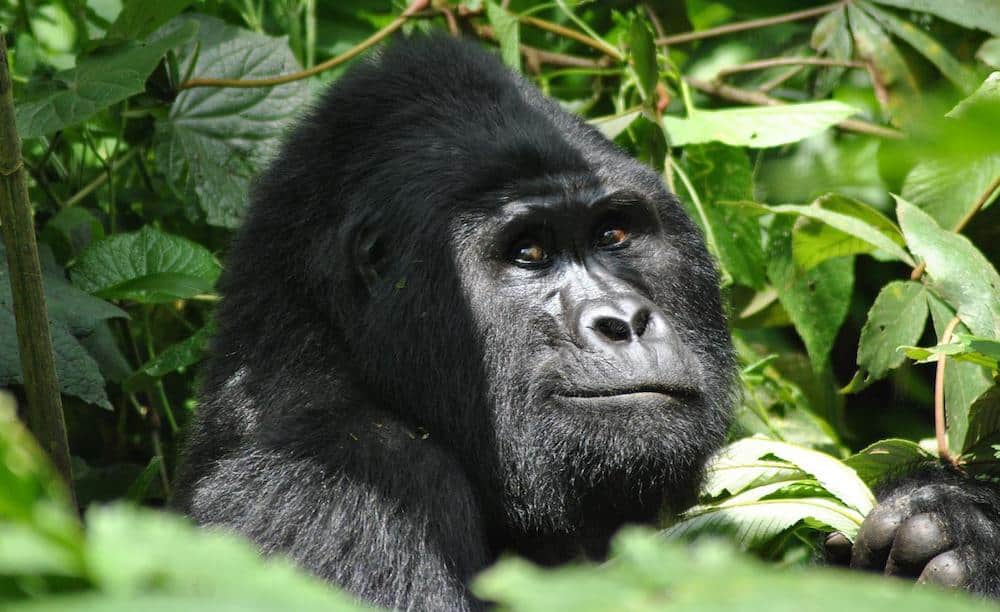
(841, 159)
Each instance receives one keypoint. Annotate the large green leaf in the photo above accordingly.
(839, 480)
(962, 160)
(216, 139)
(721, 173)
(757, 127)
(147, 266)
(887, 459)
(107, 76)
(76, 322)
(856, 223)
(955, 71)
(648, 574)
(973, 14)
(959, 272)
(642, 52)
(821, 236)
(816, 299)
(897, 318)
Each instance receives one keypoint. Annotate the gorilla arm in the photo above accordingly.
(382, 511)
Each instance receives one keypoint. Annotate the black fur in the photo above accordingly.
(387, 422)
(393, 399)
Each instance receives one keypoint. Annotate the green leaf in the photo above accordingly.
(822, 236)
(832, 37)
(959, 272)
(147, 266)
(648, 574)
(874, 45)
(140, 18)
(989, 53)
(887, 459)
(757, 127)
(508, 33)
(973, 14)
(720, 173)
(817, 299)
(984, 419)
(897, 318)
(215, 140)
(175, 357)
(613, 125)
(642, 51)
(959, 74)
(962, 160)
(75, 320)
(101, 79)
(752, 522)
(973, 349)
(839, 480)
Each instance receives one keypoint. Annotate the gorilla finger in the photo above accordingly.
(920, 538)
(838, 548)
(871, 548)
(947, 569)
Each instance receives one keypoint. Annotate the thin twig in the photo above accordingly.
(757, 98)
(981, 201)
(415, 6)
(940, 429)
(580, 37)
(657, 26)
(102, 178)
(752, 24)
(788, 61)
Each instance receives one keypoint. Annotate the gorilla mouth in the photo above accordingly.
(637, 393)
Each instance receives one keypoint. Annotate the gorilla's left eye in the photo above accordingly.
(611, 235)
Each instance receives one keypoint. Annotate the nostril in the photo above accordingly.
(613, 329)
(640, 321)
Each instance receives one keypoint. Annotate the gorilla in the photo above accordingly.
(459, 321)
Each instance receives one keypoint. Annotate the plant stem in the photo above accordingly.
(102, 178)
(940, 428)
(565, 32)
(415, 6)
(789, 61)
(752, 24)
(34, 340)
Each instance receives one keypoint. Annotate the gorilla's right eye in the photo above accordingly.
(529, 253)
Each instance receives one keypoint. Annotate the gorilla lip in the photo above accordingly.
(630, 392)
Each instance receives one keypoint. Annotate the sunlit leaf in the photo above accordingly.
(757, 127)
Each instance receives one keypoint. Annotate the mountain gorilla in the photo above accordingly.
(459, 321)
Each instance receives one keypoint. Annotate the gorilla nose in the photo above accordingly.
(616, 321)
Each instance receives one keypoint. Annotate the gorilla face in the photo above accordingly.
(610, 397)
(581, 366)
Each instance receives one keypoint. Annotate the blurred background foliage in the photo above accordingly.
(842, 159)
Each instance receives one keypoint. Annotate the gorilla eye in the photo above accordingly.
(611, 235)
(529, 253)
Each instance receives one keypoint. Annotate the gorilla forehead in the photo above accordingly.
(411, 132)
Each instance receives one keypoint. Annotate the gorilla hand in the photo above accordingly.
(935, 526)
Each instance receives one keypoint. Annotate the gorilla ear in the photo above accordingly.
(369, 256)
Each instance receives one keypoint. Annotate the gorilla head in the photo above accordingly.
(439, 246)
